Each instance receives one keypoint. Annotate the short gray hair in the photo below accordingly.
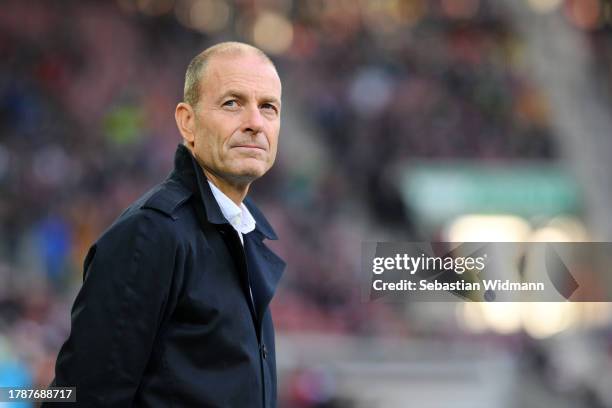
(195, 69)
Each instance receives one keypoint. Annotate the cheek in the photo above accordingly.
(215, 141)
(273, 140)
(272, 132)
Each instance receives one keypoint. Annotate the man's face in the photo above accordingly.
(237, 119)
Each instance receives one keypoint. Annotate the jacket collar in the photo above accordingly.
(190, 173)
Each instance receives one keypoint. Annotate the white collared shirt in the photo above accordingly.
(239, 217)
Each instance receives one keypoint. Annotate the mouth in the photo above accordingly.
(248, 146)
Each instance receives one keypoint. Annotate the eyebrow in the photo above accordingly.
(241, 96)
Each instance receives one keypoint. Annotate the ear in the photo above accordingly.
(185, 121)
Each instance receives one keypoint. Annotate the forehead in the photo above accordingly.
(248, 73)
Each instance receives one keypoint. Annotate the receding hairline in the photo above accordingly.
(197, 66)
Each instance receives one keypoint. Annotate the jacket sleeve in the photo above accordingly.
(118, 311)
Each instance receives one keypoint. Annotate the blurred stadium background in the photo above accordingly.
(453, 120)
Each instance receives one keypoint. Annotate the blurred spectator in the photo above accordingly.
(87, 90)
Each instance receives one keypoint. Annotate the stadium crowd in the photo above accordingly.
(87, 91)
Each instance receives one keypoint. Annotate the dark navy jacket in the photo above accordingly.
(164, 317)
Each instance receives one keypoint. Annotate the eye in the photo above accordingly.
(269, 106)
(230, 103)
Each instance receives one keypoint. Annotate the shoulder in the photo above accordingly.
(153, 215)
(165, 198)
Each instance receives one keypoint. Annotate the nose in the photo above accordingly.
(253, 121)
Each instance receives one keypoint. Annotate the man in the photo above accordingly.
(173, 311)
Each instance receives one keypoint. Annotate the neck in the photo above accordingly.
(235, 192)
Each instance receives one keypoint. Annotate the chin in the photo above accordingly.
(250, 173)
(253, 168)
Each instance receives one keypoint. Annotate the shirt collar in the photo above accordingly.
(188, 172)
(239, 217)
